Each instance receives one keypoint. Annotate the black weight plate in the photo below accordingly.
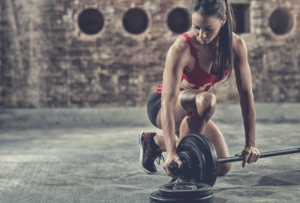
(155, 197)
(208, 172)
(193, 162)
(185, 190)
(197, 161)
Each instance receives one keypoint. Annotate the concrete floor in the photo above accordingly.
(78, 164)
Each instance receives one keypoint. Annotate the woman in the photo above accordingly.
(182, 105)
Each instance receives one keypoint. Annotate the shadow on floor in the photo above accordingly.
(280, 179)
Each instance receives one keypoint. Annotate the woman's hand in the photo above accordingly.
(251, 154)
(172, 157)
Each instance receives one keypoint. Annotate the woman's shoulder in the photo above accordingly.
(238, 44)
(181, 44)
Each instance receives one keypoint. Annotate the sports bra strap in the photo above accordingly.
(189, 40)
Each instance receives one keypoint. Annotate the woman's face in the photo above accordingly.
(206, 27)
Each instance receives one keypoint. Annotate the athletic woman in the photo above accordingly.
(182, 103)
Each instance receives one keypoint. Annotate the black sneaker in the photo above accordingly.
(148, 152)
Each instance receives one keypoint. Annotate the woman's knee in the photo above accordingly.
(224, 169)
(206, 104)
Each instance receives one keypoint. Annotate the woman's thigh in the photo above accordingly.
(214, 135)
(185, 97)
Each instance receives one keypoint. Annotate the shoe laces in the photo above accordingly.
(160, 157)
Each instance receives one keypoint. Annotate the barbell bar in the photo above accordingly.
(262, 155)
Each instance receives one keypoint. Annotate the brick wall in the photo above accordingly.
(47, 61)
(274, 59)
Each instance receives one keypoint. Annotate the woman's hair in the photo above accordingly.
(218, 9)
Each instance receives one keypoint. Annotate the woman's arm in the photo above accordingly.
(244, 86)
(174, 66)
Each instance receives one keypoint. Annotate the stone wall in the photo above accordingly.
(47, 61)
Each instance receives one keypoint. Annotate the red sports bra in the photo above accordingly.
(198, 78)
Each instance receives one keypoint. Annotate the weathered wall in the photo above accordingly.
(46, 61)
(275, 59)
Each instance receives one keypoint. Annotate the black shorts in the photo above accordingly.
(153, 107)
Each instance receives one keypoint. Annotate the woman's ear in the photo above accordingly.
(224, 20)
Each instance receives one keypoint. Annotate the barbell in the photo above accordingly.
(200, 162)
(199, 171)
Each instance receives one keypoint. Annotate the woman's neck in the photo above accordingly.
(214, 44)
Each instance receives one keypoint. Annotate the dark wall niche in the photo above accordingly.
(242, 17)
(179, 20)
(91, 21)
(281, 21)
(135, 21)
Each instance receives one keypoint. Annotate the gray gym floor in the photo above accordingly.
(70, 156)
